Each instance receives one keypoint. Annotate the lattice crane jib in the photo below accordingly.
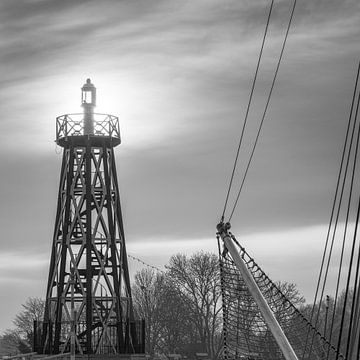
(88, 285)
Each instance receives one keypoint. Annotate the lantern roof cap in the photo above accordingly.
(88, 84)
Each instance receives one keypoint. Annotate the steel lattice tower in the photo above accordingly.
(88, 299)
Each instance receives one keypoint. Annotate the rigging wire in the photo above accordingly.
(345, 230)
(348, 145)
(355, 307)
(333, 207)
(334, 213)
(144, 263)
(336, 199)
(348, 288)
(336, 190)
(247, 110)
(265, 109)
(354, 324)
(354, 239)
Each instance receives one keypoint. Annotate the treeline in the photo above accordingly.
(333, 319)
(20, 339)
(182, 308)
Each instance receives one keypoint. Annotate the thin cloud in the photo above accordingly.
(178, 76)
(18, 267)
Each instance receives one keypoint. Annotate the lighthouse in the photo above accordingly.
(89, 307)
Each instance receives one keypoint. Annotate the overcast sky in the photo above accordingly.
(178, 75)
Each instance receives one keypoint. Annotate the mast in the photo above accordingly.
(264, 308)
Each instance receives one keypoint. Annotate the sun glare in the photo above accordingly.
(143, 109)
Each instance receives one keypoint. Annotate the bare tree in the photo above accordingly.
(158, 301)
(9, 342)
(198, 281)
(33, 309)
(147, 293)
(328, 319)
(21, 338)
(178, 330)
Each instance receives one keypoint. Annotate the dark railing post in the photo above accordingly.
(65, 119)
(143, 336)
(35, 337)
(50, 324)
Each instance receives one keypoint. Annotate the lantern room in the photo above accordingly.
(88, 94)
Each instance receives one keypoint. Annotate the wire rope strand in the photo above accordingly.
(247, 110)
(144, 263)
(355, 289)
(353, 304)
(265, 109)
(346, 221)
(336, 221)
(336, 195)
(334, 204)
(337, 218)
(354, 238)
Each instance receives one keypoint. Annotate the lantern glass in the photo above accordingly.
(87, 97)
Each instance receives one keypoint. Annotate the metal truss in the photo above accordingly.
(88, 285)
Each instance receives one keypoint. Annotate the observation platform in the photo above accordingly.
(71, 128)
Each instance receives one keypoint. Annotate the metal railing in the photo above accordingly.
(43, 341)
(58, 356)
(20, 356)
(73, 125)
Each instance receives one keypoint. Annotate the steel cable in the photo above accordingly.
(337, 198)
(355, 125)
(355, 233)
(334, 204)
(265, 109)
(247, 110)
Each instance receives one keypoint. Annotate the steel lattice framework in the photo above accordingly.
(88, 298)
